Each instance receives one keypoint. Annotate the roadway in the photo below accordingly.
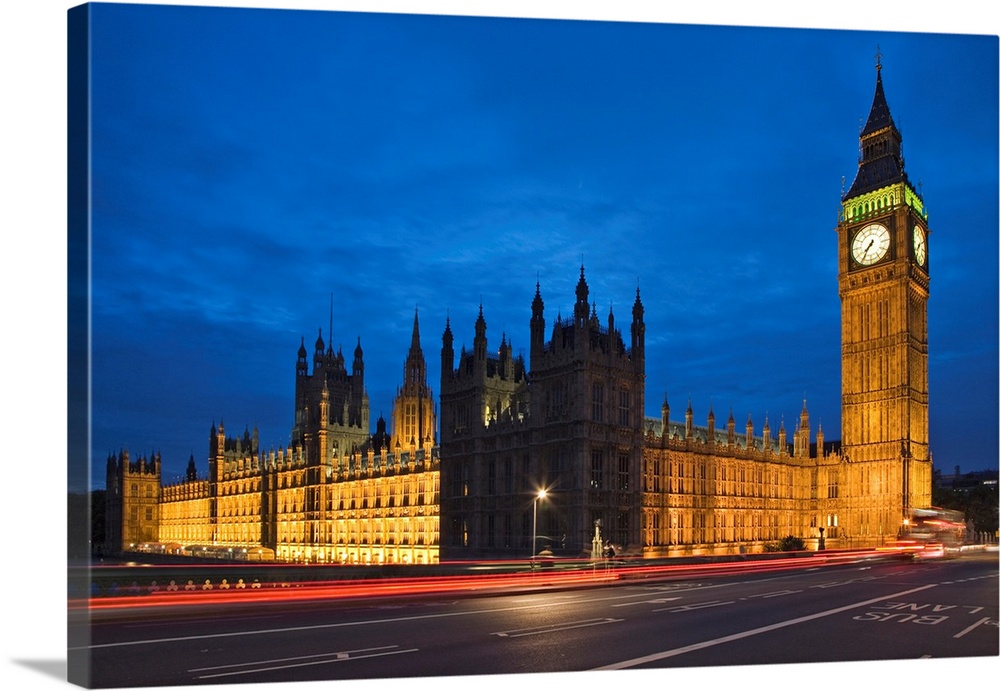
(869, 610)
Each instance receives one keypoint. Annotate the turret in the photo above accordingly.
(320, 352)
(324, 407)
(802, 435)
(414, 419)
(537, 327)
(479, 344)
(638, 333)
(301, 363)
(881, 147)
(358, 368)
(447, 353)
(414, 369)
(381, 440)
(506, 357)
(217, 441)
(322, 433)
(582, 308)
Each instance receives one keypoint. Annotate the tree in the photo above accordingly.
(978, 503)
(789, 543)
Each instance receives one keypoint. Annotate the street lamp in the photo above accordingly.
(534, 520)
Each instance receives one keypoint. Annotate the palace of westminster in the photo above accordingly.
(464, 484)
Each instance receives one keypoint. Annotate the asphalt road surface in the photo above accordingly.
(867, 611)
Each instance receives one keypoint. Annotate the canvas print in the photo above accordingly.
(423, 346)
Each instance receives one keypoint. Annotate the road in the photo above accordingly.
(865, 611)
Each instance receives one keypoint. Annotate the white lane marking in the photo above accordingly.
(776, 593)
(657, 601)
(565, 598)
(291, 665)
(969, 628)
(339, 653)
(834, 584)
(552, 628)
(697, 605)
(208, 620)
(634, 662)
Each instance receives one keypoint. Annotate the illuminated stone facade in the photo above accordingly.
(185, 511)
(571, 421)
(711, 492)
(132, 501)
(884, 287)
(336, 495)
(573, 425)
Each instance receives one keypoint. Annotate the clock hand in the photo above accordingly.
(867, 247)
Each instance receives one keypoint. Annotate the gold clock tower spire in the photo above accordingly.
(884, 281)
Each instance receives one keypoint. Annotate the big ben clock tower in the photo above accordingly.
(883, 275)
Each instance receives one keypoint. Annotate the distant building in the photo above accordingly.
(965, 482)
(571, 421)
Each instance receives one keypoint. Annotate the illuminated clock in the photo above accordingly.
(870, 244)
(919, 245)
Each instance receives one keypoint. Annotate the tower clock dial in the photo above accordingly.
(870, 244)
(919, 245)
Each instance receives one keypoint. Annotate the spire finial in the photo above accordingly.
(878, 58)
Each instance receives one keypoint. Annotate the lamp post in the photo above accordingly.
(534, 520)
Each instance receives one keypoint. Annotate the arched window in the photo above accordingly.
(624, 407)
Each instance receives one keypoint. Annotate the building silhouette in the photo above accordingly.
(572, 425)
(571, 421)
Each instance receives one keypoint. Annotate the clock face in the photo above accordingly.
(919, 245)
(871, 243)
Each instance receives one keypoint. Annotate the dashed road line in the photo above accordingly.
(552, 628)
(699, 605)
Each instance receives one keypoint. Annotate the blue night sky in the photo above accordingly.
(249, 163)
